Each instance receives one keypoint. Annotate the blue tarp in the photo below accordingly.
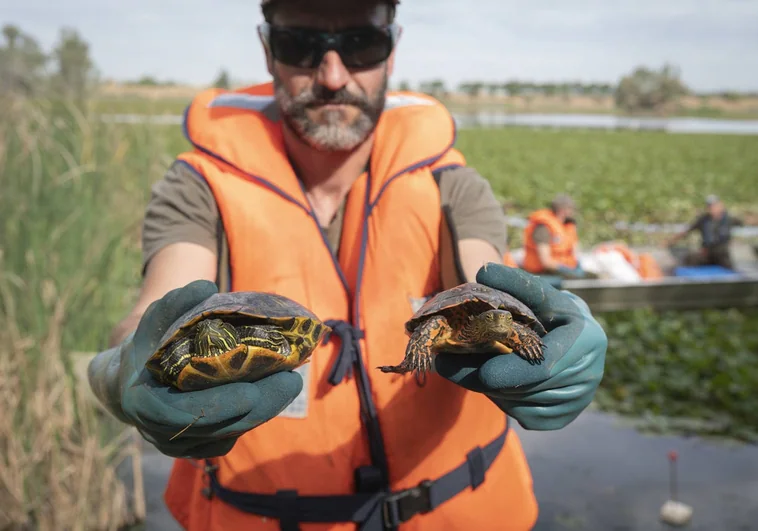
(703, 271)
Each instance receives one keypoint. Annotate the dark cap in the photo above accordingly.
(562, 201)
(268, 2)
(267, 5)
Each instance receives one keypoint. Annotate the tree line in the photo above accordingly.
(26, 69)
(68, 71)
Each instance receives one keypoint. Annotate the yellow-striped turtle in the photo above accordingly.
(470, 318)
(237, 336)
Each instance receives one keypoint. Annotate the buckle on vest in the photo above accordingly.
(401, 506)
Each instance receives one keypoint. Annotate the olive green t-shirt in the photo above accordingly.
(541, 234)
(182, 208)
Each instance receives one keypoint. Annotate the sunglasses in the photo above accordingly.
(361, 47)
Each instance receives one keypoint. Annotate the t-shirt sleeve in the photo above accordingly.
(181, 209)
(541, 234)
(474, 210)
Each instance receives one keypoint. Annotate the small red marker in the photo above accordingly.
(673, 455)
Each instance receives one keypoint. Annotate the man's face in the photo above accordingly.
(565, 212)
(331, 107)
(716, 209)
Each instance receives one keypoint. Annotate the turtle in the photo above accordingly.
(235, 336)
(470, 318)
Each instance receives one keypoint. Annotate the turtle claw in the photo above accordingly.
(532, 352)
(398, 369)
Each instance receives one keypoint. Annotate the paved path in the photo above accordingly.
(599, 475)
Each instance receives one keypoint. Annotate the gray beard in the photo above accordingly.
(335, 134)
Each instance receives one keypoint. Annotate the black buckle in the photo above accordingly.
(400, 507)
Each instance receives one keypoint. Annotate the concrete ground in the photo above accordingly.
(598, 474)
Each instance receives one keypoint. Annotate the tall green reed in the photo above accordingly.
(72, 193)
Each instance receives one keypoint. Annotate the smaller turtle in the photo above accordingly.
(470, 318)
(237, 336)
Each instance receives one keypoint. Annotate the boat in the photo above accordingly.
(681, 287)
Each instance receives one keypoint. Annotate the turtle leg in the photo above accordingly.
(525, 343)
(422, 345)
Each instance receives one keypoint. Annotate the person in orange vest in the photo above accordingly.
(550, 240)
(325, 187)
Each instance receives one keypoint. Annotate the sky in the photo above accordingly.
(714, 42)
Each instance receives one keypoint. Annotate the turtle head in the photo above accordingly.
(213, 337)
(493, 324)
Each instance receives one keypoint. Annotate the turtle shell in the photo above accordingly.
(301, 328)
(480, 298)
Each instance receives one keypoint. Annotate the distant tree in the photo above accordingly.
(471, 88)
(404, 86)
(434, 87)
(513, 88)
(22, 63)
(649, 90)
(148, 81)
(222, 81)
(75, 74)
(549, 89)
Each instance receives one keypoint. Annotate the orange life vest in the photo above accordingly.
(563, 240)
(387, 262)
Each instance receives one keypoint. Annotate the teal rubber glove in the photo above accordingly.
(540, 397)
(218, 416)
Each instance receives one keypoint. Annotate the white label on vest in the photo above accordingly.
(298, 409)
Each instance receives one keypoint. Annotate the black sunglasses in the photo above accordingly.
(362, 47)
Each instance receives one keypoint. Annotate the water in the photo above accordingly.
(607, 122)
(559, 121)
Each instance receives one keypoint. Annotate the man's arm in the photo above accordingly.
(172, 267)
(478, 217)
(178, 241)
(474, 254)
(692, 226)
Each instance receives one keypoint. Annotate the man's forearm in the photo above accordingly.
(122, 330)
(548, 264)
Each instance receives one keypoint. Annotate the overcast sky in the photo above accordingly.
(715, 42)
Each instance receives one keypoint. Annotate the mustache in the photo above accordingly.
(323, 96)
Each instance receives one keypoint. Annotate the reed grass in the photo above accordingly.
(73, 194)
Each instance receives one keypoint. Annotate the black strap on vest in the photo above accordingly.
(349, 349)
(374, 477)
(373, 511)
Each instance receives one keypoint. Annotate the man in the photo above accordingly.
(715, 228)
(551, 242)
(355, 204)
